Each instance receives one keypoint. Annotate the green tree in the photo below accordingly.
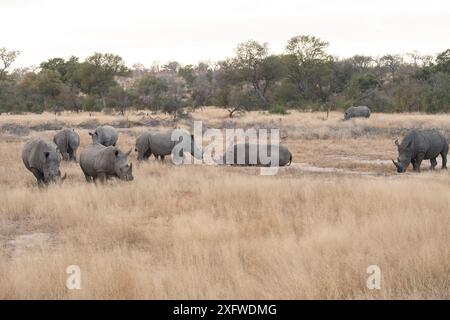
(69, 72)
(309, 66)
(42, 88)
(254, 65)
(97, 74)
(443, 62)
(188, 73)
(151, 91)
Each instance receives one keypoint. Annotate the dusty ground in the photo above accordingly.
(198, 231)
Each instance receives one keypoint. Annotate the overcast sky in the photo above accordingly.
(194, 30)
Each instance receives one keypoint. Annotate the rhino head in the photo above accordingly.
(95, 137)
(346, 115)
(405, 153)
(123, 170)
(50, 168)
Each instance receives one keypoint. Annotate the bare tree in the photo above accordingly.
(232, 110)
(7, 58)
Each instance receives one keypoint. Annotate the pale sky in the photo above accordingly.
(194, 30)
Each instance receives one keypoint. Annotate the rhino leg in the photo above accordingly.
(73, 156)
(101, 177)
(161, 157)
(88, 178)
(64, 153)
(418, 162)
(444, 160)
(433, 163)
(147, 154)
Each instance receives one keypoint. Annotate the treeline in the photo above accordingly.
(305, 76)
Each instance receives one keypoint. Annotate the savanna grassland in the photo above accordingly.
(220, 232)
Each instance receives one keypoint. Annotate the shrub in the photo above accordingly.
(278, 109)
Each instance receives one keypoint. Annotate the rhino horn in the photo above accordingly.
(396, 142)
(64, 177)
(396, 164)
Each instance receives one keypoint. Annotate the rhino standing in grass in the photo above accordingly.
(68, 142)
(419, 145)
(160, 144)
(357, 112)
(105, 135)
(42, 158)
(252, 155)
(100, 162)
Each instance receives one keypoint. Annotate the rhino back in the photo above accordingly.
(360, 111)
(97, 158)
(252, 156)
(285, 156)
(142, 141)
(426, 142)
(107, 135)
(73, 140)
(60, 139)
(432, 143)
(161, 143)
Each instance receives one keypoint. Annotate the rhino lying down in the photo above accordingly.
(100, 162)
(160, 144)
(357, 112)
(419, 145)
(68, 142)
(252, 155)
(41, 157)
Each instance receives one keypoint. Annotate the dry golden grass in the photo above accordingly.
(204, 232)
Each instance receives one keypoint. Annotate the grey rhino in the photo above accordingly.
(252, 156)
(419, 145)
(160, 144)
(68, 142)
(354, 112)
(100, 162)
(41, 157)
(105, 135)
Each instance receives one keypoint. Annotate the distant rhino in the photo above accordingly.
(252, 156)
(160, 144)
(355, 112)
(105, 135)
(100, 162)
(68, 142)
(419, 145)
(41, 157)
